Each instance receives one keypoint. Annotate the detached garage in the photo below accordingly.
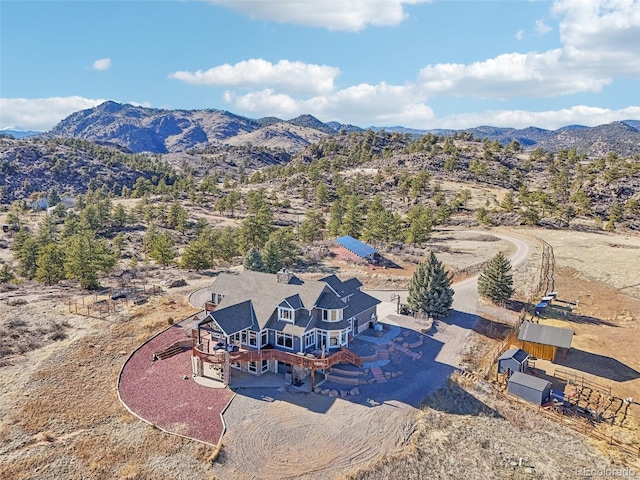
(529, 388)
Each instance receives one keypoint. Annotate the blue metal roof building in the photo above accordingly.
(356, 246)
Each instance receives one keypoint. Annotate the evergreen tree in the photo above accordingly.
(496, 282)
(253, 261)
(163, 249)
(271, 258)
(197, 254)
(420, 223)
(50, 264)
(336, 217)
(311, 227)
(430, 289)
(281, 242)
(353, 217)
(85, 257)
(26, 249)
(226, 245)
(120, 217)
(6, 274)
(177, 217)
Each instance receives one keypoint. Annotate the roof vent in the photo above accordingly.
(284, 276)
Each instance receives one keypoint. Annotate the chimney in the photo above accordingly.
(284, 276)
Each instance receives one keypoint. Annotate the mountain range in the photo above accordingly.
(139, 129)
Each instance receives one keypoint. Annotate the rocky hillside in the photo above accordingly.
(140, 129)
(29, 167)
(596, 141)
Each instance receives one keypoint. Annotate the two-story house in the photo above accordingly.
(259, 322)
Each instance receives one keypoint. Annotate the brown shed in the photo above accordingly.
(543, 341)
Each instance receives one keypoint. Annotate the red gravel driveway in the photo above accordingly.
(158, 392)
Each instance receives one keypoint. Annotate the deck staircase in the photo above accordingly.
(173, 349)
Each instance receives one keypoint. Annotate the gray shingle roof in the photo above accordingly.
(235, 317)
(530, 381)
(517, 354)
(342, 288)
(545, 334)
(329, 301)
(256, 295)
(264, 292)
(359, 302)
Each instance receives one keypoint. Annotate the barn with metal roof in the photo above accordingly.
(543, 341)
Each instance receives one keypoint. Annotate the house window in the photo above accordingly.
(285, 314)
(253, 367)
(265, 338)
(265, 366)
(244, 337)
(284, 340)
(331, 315)
(309, 339)
(253, 339)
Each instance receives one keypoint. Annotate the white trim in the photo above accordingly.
(291, 311)
(285, 336)
(329, 311)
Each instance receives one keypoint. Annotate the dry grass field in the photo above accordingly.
(61, 417)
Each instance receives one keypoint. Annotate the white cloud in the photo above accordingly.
(363, 104)
(550, 119)
(350, 15)
(605, 32)
(542, 28)
(101, 64)
(510, 75)
(519, 35)
(600, 40)
(41, 114)
(296, 77)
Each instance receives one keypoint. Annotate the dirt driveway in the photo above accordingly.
(276, 434)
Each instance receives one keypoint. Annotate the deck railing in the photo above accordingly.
(313, 363)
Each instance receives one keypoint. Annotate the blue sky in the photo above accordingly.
(416, 63)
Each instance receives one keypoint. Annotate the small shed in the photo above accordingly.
(532, 389)
(358, 248)
(513, 360)
(543, 341)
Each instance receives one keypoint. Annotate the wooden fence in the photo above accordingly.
(577, 424)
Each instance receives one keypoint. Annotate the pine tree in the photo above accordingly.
(6, 274)
(163, 249)
(496, 282)
(253, 261)
(50, 264)
(197, 255)
(430, 289)
(271, 257)
(226, 244)
(85, 256)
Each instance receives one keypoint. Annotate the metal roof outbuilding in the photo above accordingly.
(356, 246)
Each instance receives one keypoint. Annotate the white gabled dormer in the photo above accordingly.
(286, 313)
